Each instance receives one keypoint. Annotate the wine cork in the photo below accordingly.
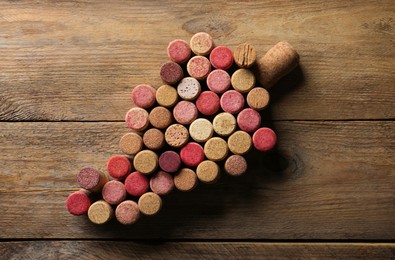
(127, 212)
(137, 119)
(208, 103)
(276, 63)
(91, 179)
(224, 124)
(171, 73)
(169, 161)
(150, 204)
(249, 120)
(145, 162)
(192, 154)
(114, 192)
(208, 172)
(221, 57)
(264, 139)
(189, 88)
(160, 117)
(131, 143)
(185, 180)
(176, 135)
(199, 67)
(201, 130)
(118, 166)
(185, 112)
(154, 139)
(239, 142)
(78, 202)
(216, 149)
(143, 95)
(245, 55)
(166, 96)
(258, 98)
(243, 80)
(201, 43)
(218, 81)
(136, 184)
(179, 51)
(232, 101)
(100, 212)
(162, 183)
(235, 165)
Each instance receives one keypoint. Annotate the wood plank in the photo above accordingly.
(78, 60)
(326, 180)
(194, 250)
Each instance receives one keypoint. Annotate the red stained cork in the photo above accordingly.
(218, 81)
(162, 183)
(91, 179)
(143, 95)
(127, 212)
(137, 119)
(208, 103)
(199, 67)
(221, 57)
(78, 202)
(249, 120)
(264, 139)
(201, 43)
(232, 101)
(171, 72)
(136, 184)
(235, 165)
(169, 161)
(118, 166)
(185, 112)
(192, 154)
(114, 192)
(179, 51)
(160, 117)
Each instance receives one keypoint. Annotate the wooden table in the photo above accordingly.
(327, 191)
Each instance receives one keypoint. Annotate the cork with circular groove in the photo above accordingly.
(145, 162)
(224, 124)
(100, 212)
(208, 171)
(154, 139)
(245, 55)
(150, 203)
(131, 143)
(235, 165)
(176, 135)
(201, 130)
(243, 80)
(166, 96)
(185, 180)
(160, 117)
(216, 149)
(258, 98)
(239, 142)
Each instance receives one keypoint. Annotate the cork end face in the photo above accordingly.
(88, 178)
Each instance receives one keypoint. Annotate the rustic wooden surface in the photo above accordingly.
(66, 71)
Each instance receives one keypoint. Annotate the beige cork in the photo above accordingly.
(166, 96)
(216, 149)
(224, 124)
(201, 43)
(154, 139)
(276, 63)
(185, 180)
(258, 98)
(235, 165)
(239, 142)
(208, 172)
(245, 55)
(150, 204)
(243, 80)
(160, 117)
(145, 162)
(100, 212)
(176, 135)
(131, 143)
(201, 130)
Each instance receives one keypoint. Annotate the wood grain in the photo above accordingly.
(326, 180)
(78, 60)
(193, 250)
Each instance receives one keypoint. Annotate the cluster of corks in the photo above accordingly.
(201, 122)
